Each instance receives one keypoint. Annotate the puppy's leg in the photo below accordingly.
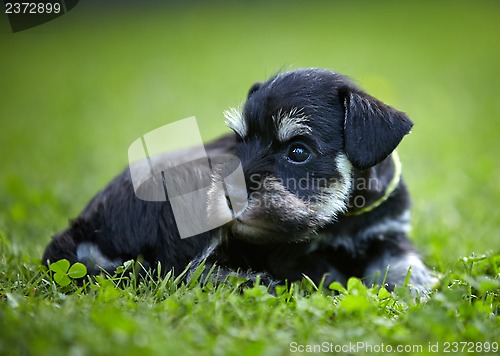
(221, 274)
(395, 267)
(91, 256)
(211, 257)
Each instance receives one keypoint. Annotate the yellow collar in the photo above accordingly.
(391, 187)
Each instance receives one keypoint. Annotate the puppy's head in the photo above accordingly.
(299, 137)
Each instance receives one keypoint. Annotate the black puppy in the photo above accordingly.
(324, 194)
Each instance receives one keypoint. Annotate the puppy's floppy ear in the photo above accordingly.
(372, 129)
(253, 89)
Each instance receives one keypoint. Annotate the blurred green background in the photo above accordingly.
(77, 91)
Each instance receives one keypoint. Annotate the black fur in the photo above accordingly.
(372, 130)
(287, 230)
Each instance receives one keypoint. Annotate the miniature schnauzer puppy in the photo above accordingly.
(324, 195)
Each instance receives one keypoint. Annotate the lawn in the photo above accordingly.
(77, 91)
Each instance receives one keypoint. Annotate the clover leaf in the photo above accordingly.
(63, 273)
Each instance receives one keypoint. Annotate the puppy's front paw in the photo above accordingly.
(403, 270)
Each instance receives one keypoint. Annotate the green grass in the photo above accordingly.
(77, 91)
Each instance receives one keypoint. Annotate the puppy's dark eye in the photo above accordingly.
(298, 154)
